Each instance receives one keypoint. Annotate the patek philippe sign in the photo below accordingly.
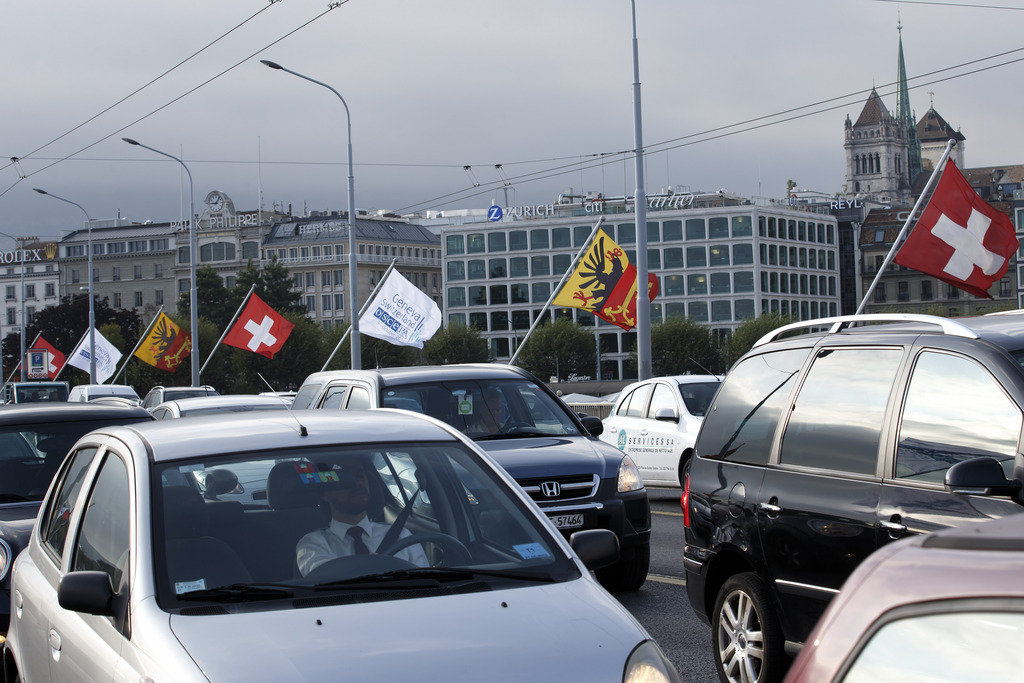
(219, 214)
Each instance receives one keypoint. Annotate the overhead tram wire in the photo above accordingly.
(151, 82)
(703, 136)
(950, 4)
(331, 7)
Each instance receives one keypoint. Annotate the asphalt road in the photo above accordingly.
(661, 605)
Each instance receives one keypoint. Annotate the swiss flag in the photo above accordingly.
(259, 329)
(960, 239)
(56, 357)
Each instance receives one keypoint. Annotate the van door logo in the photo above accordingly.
(551, 489)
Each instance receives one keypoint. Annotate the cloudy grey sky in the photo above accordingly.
(736, 94)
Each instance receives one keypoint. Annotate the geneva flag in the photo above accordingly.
(604, 283)
(165, 346)
(259, 329)
(960, 239)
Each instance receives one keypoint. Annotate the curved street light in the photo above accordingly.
(193, 306)
(92, 309)
(352, 279)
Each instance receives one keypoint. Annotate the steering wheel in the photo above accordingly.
(449, 544)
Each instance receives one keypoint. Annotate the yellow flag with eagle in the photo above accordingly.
(166, 345)
(604, 283)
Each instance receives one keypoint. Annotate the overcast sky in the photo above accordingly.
(542, 87)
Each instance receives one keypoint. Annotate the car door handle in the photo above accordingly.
(770, 509)
(894, 526)
(54, 643)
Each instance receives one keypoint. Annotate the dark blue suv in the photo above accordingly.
(577, 480)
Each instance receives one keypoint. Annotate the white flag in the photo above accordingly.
(401, 314)
(107, 357)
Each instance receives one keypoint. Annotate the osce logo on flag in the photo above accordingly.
(389, 321)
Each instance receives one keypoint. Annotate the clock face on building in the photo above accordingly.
(216, 202)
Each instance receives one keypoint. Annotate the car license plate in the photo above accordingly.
(568, 521)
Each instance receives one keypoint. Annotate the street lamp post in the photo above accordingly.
(193, 306)
(92, 308)
(352, 279)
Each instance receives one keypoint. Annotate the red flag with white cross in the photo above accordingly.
(960, 239)
(259, 329)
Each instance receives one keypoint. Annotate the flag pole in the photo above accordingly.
(558, 288)
(38, 334)
(142, 338)
(366, 306)
(68, 357)
(241, 307)
(906, 226)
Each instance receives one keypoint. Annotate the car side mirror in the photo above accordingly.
(980, 476)
(667, 415)
(593, 424)
(596, 548)
(87, 591)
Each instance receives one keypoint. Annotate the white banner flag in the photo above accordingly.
(107, 357)
(401, 314)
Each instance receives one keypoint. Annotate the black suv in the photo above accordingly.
(822, 447)
(578, 481)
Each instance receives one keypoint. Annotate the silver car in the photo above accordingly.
(136, 572)
(195, 406)
(655, 422)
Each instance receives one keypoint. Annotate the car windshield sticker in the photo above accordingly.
(308, 474)
(531, 551)
(466, 405)
(189, 586)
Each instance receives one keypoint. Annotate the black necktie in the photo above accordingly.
(356, 534)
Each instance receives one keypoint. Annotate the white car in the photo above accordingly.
(132, 574)
(89, 392)
(210, 405)
(655, 422)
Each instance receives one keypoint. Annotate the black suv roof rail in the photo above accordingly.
(839, 323)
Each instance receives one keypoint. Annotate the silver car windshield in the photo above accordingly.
(251, 528)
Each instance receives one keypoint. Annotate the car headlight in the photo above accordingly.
(629, 476)
(648, 664)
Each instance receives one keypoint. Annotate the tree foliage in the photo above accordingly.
(747, 334)
(559, 349)
(681, 345)
(457, 343)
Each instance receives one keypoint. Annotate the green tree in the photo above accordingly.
(681, 345)
(747, 334)
(456, 343)
(215, 301)
(559, 349)
(273, 285)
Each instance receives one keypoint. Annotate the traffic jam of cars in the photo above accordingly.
(393, 516)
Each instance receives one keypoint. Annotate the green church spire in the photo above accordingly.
(905, 116)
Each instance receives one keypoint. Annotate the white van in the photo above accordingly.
(87, 392)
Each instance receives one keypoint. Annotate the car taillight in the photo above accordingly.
(684, 502)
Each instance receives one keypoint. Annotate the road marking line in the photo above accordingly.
(666, 579)
(670, 514)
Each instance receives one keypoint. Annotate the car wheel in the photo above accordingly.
(628, 574)
(745, 633)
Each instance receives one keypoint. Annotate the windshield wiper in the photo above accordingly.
(242, 592)
(421, 577)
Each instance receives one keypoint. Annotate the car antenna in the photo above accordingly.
(691, 359)
(265, 381)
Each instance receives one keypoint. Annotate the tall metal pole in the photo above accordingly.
(352, 279)
(194, 288)
(92, 307)
(643, 302)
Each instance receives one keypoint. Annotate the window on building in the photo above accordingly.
(540, 292)
(454, 245)
(540, 265)
(456, 270)
(903, 291)
(697, 283)
(159, 297)
(561, 238)
(497, 267)
(325, 302)
(117, 299)
(477, 269)
(696, 257)
(339, 303)
(310, 280)
(51, 289)
(539, 239)
(499, 295)
(519, 267)
(496, 241)
(456, 297)
(478, 296)
(518, 241)
(718, 227)
(138, 299)
(719, 255)
(30, 291)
